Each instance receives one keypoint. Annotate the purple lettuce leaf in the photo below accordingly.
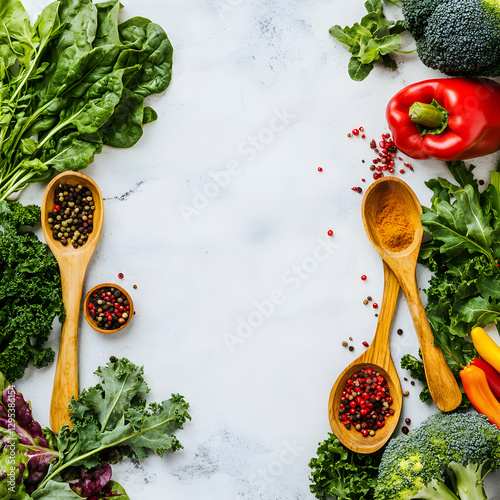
(96, 483)
(17, 425)
(93, 481)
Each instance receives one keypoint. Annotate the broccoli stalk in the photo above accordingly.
(435, 490)
(468, 480)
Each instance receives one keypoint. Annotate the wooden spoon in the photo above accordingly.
(72, 266)
(378, 357)
(391, 215)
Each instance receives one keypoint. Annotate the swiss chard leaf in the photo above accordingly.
(461, 253)
(124, 127)
(73, 152)
(149, 51)
(67, 73)
(107, 23)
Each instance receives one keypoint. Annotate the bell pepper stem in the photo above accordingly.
(428, 115)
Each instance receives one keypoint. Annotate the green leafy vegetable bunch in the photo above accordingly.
(371, 41)
(339, 473)
(110, 420)
(463, 254)
(30, 291)
(72, 82)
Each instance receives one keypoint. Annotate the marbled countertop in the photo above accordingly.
(220, 216)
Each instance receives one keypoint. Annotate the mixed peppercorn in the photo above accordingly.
(387, 154)
(109, 308)
(71, 220)
(365, 402)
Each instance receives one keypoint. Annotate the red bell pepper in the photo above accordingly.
(492, 376)
(479, 393)
(446, 118)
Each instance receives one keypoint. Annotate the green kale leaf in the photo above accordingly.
(113, 416)
(30, 292)
(462, 254)
(339, 473)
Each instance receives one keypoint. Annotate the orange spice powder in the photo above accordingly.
(394, 223)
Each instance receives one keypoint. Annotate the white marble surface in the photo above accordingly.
(220, 218)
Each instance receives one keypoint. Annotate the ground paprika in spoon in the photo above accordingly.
(394, 224)
(446, 118)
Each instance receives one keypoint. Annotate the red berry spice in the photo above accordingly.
(108, 308)
(365, 343)
(320, 169)
(365, 402)
(57, 208)
(330, 232)
(375, 305)
(363, 277)
(355, 131)
(120, 275)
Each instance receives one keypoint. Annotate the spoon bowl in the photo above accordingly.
(73, 264)
(391, 216)
(378, 357)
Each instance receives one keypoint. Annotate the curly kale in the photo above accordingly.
(111, 420)
(30, 291)
(339, 473)
(462, 254)
(458, 38)
(417, 372)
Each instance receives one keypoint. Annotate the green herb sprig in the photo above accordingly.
(371, 41)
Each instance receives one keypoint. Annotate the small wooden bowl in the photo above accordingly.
(89, 318)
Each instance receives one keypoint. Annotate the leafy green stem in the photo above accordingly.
(58, 469)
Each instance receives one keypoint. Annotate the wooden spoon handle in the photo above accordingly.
(380, 342)
(66, 375)
(441, 381)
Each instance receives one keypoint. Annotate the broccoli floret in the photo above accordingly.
(410, 471)
(447, 457)
(467, 444)
(459, 37)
